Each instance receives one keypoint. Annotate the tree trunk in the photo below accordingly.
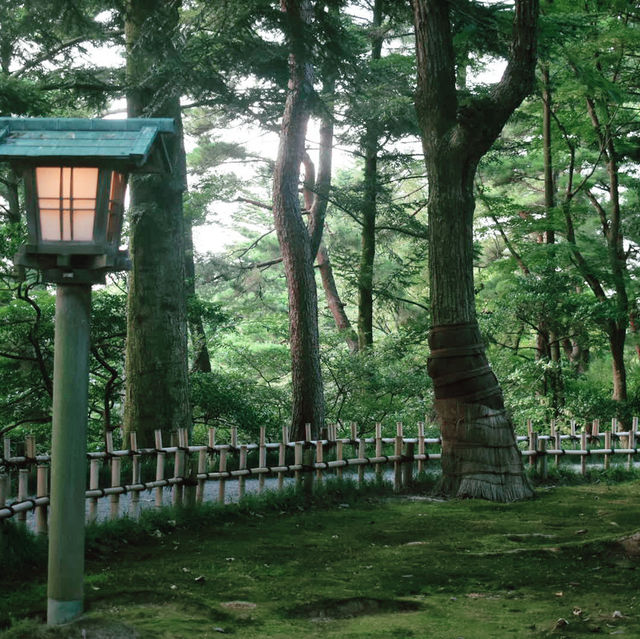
(293, 235)
(480, 457)
(369, 206)
(333, 300)
(157, 392)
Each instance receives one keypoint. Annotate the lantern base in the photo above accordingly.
(71, 268)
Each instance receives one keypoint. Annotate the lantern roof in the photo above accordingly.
(132, 141)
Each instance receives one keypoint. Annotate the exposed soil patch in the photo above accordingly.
(352, 607)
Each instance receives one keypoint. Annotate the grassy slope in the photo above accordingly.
(389, 568)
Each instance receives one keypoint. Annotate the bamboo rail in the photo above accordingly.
(302, 461)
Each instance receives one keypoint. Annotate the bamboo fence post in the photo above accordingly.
(632, 441)
(298, 462)
(4, 489)
(262, 456)
(533, 437)
(583, 457)
(339, 457)
(222, 468)
(319, 459)
(541, 456)
(362, 443)
(202, 469)
(116, 467)
(23, 475)
(308, 458)
(397, 465)
(558, 446)
(114, 500)
(7, 447)
(407, 466)
(331, 440)
(94, 484)
(607, 445)
(353, 427)
(595, 428)
(134, 504)
(178, 470)
(282, 454)
(242, 465)
(378, 438)
(30, 447)
(421, 447)
(42, 490)
(23, 491)
(234, 437)
(161, 457)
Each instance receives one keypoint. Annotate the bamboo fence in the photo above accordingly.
(193, 466)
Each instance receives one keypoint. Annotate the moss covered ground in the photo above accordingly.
(374, 566)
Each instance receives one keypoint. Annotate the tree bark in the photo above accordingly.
(293, 235)
(479, 453)
(369, 205)
(157, 392)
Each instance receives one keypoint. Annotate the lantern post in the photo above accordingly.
(75, 174)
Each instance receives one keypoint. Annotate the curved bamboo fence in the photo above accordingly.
(179, 473)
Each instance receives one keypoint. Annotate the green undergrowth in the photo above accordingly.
(348, 564)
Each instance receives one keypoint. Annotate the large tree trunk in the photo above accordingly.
(479, 453)
(293, 235)
(369, 205)
(157, 392)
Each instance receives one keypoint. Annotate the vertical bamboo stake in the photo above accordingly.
(607, 445)
(541, 456)
(115, 481)
(397, 465)
(307, 433)
(222, 467)
(361, 455)
(242, 465)
(354, 435)
(202, 469)
(161, 456)
(94, 484)
(134, 504)
(319, 458)
(23, 491)
(573, 428)
(234, 437)
(4, 489)
(379, 467)
(421, 446)
(307, 456)
(298, 461)
(558, 445)
(552, 429)
(282, 457)
(7, 447)
(30, 447)
(595, 428)
(533, 440)
(178, 469)
(262, 457)
(583, 457)
(407, 467)
(42, 490)
(339, 457)
(632, 442)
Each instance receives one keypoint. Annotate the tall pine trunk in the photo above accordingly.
(480, 457)
(295, 242)
(369, 205)
(157, 392)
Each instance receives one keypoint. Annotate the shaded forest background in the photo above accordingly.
(556, 227)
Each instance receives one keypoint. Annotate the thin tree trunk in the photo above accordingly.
(293, 235)
(369, 205)
(479, 453)
(157, 391)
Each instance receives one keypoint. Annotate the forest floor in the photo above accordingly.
(369, 567)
